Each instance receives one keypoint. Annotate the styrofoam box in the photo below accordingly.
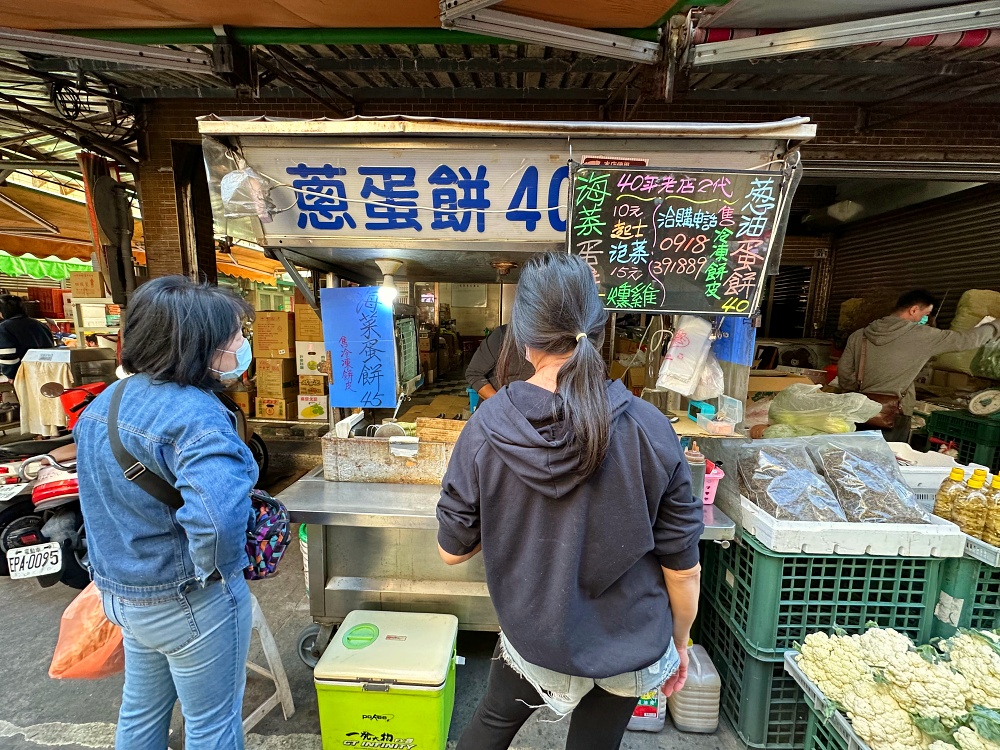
(815, 697)
(939, 538)
(929, 471)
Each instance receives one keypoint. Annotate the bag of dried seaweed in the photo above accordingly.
(864, 474)
(780, 477)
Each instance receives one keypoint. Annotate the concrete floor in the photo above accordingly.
(37, 712)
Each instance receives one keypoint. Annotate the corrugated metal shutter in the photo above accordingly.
(947, 246)
(19, 284)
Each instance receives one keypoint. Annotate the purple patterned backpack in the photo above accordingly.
(268, 532)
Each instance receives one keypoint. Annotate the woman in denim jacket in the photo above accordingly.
(173, 580)
(579, 498)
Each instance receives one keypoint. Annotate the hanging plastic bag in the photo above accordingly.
(712, 383)
(682, 367)
(89, 645)
(806, 406)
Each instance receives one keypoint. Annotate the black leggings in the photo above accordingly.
(598, 723)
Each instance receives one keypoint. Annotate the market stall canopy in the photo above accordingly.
(25, 215)
(240, 263)
(52, 267)
(133, 14)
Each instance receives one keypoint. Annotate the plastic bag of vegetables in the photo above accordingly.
(806, 406)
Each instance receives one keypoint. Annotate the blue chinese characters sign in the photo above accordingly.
(358, 332)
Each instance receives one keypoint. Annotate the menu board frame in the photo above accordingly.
(762, 217)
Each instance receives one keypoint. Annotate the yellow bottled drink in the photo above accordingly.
(944, 500)
(971, 507)
(991, 532)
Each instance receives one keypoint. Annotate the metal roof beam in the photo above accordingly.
(54, 165)
(454, 65)
(63, 45)
(281, 75)
(363, 94)
(964, 17)
(561, 36)
(803, 95)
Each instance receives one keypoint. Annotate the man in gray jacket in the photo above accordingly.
(897, 347)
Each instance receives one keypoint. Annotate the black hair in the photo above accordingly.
(920, 297)
(175, 327)
(11, 305)
(557, 300)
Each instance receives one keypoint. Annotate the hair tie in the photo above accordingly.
(580, 336)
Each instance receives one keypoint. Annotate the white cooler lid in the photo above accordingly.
(406, 648)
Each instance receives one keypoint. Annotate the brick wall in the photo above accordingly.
(945, 133)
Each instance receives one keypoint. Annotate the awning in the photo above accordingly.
(241, 263)
(50, 267)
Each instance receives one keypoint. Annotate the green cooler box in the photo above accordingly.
(387, 680)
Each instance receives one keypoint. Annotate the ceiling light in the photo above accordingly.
(520, 29)
(387, 292)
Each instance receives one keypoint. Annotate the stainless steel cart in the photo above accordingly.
(374, 546)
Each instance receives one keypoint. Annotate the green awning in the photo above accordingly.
(40, 268)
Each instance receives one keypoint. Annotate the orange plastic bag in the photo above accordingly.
(89, 645)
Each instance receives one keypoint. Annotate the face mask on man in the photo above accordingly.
(243, 357)
(923, 320)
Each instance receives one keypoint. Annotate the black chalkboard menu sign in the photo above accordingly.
(675, 240)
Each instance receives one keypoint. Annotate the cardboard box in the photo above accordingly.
(243, 399)
(93, 315)
(626, 346)
(636, 378)
(308, 326)
(275, 408)
(618, 370)
(313, 407)
(763, 387)
(312, 385)
(309, 355)
(274, 335)
(275, 376)
(113, 315)
(86, 284)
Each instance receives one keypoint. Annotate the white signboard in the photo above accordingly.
(423, 194)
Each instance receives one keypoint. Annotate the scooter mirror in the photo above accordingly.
(52, 390)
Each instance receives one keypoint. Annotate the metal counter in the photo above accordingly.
(374, 546)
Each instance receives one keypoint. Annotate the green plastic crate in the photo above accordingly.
(773, 600)
(762, 702)
(976, 438)
(821, 734)
(969, 598)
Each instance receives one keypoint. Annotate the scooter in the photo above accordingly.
(45, 538)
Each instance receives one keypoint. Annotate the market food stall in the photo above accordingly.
(356, 198)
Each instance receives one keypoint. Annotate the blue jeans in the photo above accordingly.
(192, 646)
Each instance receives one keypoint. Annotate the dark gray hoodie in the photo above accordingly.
(573, 563)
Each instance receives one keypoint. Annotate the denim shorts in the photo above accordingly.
(562, 693)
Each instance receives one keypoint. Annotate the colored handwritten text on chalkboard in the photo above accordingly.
(675, 241)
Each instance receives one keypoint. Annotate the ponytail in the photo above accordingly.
(557, 310)
(582, 383)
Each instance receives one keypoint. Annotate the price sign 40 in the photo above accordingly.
(681, 243)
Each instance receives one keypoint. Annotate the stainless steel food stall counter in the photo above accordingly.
(374, 546)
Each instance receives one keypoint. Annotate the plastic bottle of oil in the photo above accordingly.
(971, 507)
(944, 501)
(991, 532)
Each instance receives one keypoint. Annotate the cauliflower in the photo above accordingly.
(880, 645)
(968, 739)
(928, 689)
(833, 663)
(941, 745)
(976, 655)
(879, 720)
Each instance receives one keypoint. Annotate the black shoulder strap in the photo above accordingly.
(133, 469)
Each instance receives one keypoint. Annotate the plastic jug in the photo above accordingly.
(696, 707)
(651, 713)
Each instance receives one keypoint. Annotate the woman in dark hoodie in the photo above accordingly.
(578, 496)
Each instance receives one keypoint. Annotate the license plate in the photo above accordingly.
(36, 560)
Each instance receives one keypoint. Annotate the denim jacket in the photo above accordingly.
(139, 548)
